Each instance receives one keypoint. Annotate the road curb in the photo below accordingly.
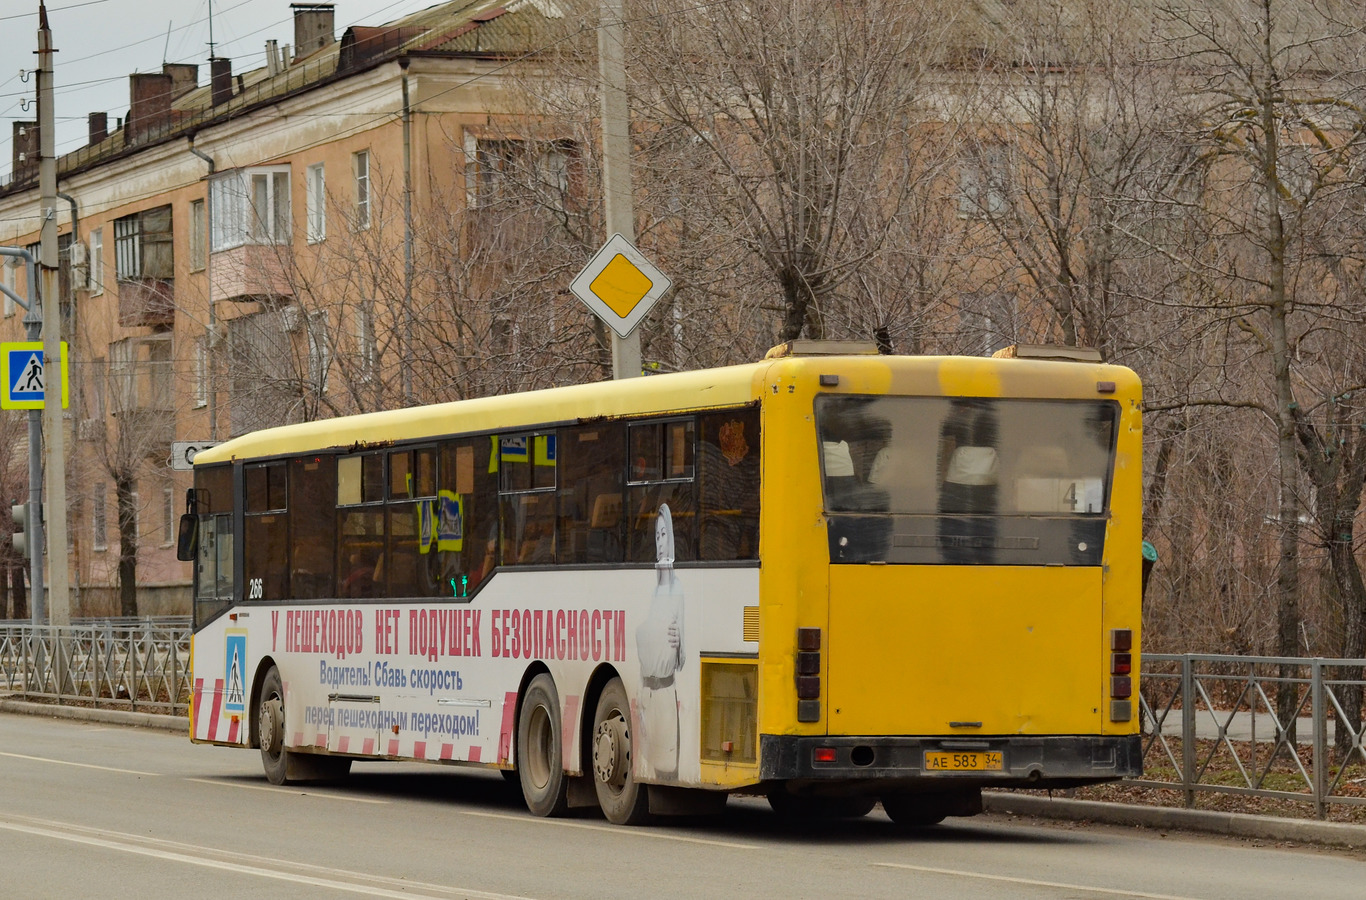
(178, 724)
(1271, 828)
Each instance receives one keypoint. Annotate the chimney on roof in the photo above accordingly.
(314, 27)
(99, 127)
(149, 104)
(272, 58)
(26, 148)
(184, 77)
(220, 80)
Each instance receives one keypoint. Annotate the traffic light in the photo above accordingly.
(21, 532)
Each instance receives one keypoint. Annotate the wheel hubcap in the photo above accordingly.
(611, 752)
(272, 725)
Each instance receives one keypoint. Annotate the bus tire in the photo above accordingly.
(540, 756)
(915, 810)
(797, 807)
(270, 728)
(624, 801)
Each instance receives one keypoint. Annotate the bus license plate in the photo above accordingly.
(965, 761)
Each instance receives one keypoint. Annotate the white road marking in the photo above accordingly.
(614, 829)
(245, 864)
(1085, 888)
(277, 790)
(63, 762)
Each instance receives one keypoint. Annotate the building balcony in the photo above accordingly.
(147, 431)
(146, 302)
(252, 272)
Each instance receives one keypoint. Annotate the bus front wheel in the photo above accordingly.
(624, 801)
(270, 724)
(540, 760)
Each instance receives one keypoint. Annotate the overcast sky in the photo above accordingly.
(101, 42)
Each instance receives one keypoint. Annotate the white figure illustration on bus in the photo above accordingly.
(659, 644)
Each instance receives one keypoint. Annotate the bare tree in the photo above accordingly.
(1278, 113)
(799, 115)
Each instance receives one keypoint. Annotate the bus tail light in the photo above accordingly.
(823, 755)
(1121, 674)
(808, 674)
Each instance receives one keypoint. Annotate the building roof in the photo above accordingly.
(477, 29)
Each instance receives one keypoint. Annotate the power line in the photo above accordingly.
(377, 119)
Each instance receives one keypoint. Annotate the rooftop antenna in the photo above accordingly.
(211, 53)
(166, 51)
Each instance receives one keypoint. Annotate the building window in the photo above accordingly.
(140, 374)
(136, 529)
(201, 373)
(982, 184)
(143, 246)
(319, 352)
(199, 256)
(361, 165)
(97, 261)
(316, 199)
(502, 171)
(366, 349)
(9, 266)
(168, 520)
(250, 206)
(100, 519)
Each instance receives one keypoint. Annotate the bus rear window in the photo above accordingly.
(966, 479)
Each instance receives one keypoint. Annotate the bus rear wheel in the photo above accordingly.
(798, 807)
(924, 810)
(624, 800)
(270, 726)
(540, 757)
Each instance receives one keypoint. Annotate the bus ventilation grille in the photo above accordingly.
(751, 631)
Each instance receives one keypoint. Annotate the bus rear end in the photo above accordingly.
(960, 580)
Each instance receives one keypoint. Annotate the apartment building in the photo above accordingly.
(191, 230)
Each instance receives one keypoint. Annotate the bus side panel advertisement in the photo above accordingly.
(439, 680)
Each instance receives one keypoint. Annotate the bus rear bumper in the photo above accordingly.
(1043, 762)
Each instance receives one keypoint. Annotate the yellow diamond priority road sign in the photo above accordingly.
(620, 285)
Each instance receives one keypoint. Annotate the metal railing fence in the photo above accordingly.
(1210, 723)
(138, 665)
(1262, 726)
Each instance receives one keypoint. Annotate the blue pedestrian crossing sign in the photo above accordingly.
(25, 375)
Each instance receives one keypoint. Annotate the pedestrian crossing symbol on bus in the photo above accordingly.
(234, 691)
(25, 375)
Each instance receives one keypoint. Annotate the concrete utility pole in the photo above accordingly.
(616, 158)
(54, 434)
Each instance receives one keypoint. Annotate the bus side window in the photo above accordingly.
(360, 525)
(728, 476)
(467, 518)
(266, 532)
(312, 527)
(528, 465)
(590, 497)
(661, 468)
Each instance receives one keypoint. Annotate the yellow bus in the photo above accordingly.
(831, 577)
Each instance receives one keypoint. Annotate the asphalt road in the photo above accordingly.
(105, 811)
